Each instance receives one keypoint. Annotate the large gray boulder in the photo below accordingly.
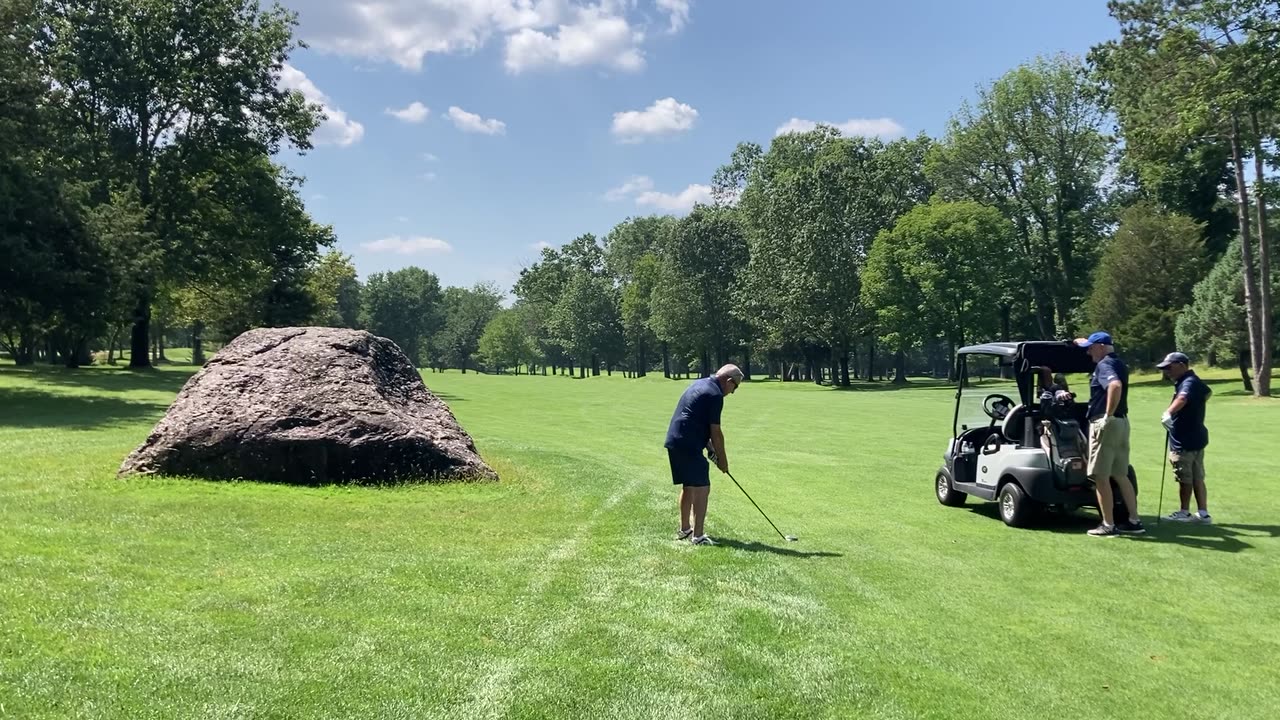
(309, 405)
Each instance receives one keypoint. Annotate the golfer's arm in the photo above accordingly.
(1113, 396)
(717, 442)
(1178, 403)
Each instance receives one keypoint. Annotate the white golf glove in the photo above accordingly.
(1167, 421)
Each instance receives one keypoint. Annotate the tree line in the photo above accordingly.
(1129, 190)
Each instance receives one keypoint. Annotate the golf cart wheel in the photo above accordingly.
(1015, 507)
(947, 495)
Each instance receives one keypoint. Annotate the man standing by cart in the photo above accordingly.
(1108, 416)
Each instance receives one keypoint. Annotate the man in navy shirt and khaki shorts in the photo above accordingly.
(1188, 437)
(695, 426)
(1108, 416)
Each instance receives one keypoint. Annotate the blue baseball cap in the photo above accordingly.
(1173, 357)
(1098, 338)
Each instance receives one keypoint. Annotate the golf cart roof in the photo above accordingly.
(1058, 355)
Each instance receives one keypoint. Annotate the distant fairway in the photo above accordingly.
(560, 593)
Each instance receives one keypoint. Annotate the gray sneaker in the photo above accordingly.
(1205, 518)
(1104, 531)
(1179, 516)
(683, 534)
(702, 540)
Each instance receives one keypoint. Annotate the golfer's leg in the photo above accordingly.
(1184, 496)
(1098, 475)
(699, 509)
(686, 508)
(1202, 494)
(1128, 495)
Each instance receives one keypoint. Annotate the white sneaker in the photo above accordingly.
(702, 540)
(1205, 518)
(1179, 516)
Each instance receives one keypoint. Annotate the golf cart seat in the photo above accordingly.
(1016, 424)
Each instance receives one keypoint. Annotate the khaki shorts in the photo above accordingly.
(1109, 448)
(1188, 465)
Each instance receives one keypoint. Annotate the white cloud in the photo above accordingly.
(416, 112)
(640, 188)
(682, 202)
(677, 10)
(402, 218)
(537, 33)
(541, 245)
(883, 128)
(408, 245)
(335, 128)
(472, 123)
(429, 157)
(664, 117)
(597, 36)
(634, 185)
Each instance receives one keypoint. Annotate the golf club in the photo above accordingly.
(1164, 467)
(788, 538)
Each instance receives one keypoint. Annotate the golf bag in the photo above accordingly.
(1064, 442)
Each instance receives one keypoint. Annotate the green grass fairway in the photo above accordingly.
(560, 593)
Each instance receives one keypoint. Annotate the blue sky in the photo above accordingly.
(539, 120)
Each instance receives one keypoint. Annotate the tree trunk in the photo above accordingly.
(1251, 310)
(141, 339)
(197, 343)
(1262, 372)
(161, 331)
(900, 368)
(746, 363)
(595, 366)
(871, 358)
(666, 361)
(1242, 358)
(1044, 312)
(844, 369)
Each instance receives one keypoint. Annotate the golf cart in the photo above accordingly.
(1006, 446)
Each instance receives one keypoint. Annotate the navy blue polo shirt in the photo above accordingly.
(1189, 432)
(1109, 369)
(699, 408)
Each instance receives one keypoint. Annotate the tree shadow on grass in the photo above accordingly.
(761, 547)
(32, 409)
(115, 380)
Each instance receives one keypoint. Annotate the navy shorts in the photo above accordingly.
(690, 469)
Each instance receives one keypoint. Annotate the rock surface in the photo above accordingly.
(309, 405)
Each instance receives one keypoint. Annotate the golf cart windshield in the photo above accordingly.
(980, 384)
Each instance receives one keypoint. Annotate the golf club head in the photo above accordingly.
(791, 538)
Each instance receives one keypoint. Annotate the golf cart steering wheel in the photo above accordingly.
(997, 406)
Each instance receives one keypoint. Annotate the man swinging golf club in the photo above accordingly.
(695, 425)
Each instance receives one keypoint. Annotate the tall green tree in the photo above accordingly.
(939, 271)
(404, 306)
(692, 302)
(335, 287)
(586, 320)
(466, 313)
(1190, 71)
(1145, 278)
(1033, 147)
(148, 90)
(1214, 324)
(504, 343)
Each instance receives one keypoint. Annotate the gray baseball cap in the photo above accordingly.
(1171, 358)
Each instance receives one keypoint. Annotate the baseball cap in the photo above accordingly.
(1098, 338)
(1173, 357)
